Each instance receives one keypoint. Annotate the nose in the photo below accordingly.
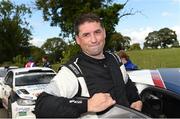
(93, 38)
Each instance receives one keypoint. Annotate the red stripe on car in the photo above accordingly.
(158, 82)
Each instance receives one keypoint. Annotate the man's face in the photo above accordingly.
(91, 39)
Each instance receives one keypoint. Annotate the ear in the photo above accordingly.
(77, 39)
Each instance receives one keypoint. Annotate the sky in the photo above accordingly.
(151, 15)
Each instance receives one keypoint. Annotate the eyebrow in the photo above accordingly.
(90, 32)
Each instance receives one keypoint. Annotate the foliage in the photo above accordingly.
(71, 50)
(62, 13)
(14, 30)
(54, 47)
(126, 42)
(19, 60)
(161, 39)
(135, 46)
(37, 54)
(119, 42)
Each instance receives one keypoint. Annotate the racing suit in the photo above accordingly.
(92, 76)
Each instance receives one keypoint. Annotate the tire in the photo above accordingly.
(9, 108)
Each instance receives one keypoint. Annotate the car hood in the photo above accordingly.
(168, 78)
(30, 92)
(171, 78)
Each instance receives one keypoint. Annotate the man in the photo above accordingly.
(45, 61)
(93, 74)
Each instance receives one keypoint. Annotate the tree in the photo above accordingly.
(14, 30)
(54, 48)
(152, 40)
(119, 42)
(37, 53)
(126, 42)
(116, 41)
(70, 51)
(161, 39)
(62, 13)
(167, 37)
(135, 46)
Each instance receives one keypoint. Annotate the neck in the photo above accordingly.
(100, 56)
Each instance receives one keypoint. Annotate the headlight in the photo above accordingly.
(25, 102)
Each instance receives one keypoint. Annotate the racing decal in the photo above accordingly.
(156, 77)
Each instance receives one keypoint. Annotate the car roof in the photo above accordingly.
(8, 67)
(34, 69)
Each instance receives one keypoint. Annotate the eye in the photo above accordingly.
(98, 31)
(86, 35)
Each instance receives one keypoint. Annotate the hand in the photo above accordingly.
(137, 105)
(37, 94)
(99, 102)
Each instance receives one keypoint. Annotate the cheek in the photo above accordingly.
(82, 43)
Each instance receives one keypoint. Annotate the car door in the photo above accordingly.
(1, 88)
(7, 88)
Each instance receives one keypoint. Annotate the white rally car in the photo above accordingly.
(4, 70)
(20, 87)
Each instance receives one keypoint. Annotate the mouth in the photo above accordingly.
(95, 45)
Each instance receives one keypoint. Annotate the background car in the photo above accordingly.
(4, 70)
(159, 90)
(20, 87)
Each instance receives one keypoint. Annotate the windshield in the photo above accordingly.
(33, 79)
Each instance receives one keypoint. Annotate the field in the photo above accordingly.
(151, 59)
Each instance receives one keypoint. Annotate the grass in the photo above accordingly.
(157, 58)
(151, 59)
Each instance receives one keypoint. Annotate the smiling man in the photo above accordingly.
(92, 82)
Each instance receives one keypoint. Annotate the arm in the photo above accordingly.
(131, 91)
(62, 102)
(49, 106)
(133, 96)
(58, 100)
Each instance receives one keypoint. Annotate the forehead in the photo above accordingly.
(89, 26)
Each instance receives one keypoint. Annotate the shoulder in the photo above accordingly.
(113, 56)
(66, 82)
(73, 66)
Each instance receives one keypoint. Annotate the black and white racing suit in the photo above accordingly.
(98, 75)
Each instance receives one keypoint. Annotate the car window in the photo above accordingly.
(9, 79)
(33, 79)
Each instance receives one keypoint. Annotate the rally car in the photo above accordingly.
(4, 70)
(20, 87)
(159, 90)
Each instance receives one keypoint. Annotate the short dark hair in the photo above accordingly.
(88, 17)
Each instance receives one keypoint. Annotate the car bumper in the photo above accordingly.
(20, 112)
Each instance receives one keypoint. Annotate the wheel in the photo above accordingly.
(9, 108)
